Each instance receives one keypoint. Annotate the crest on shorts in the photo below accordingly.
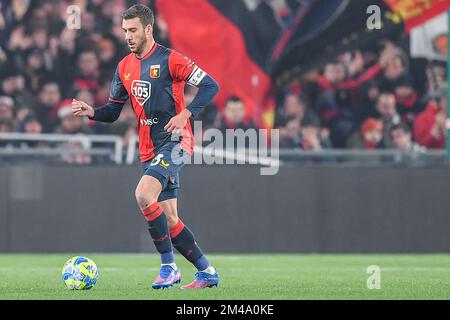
(155, 71)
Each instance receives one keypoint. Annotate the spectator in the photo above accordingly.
(429, 125)
(36, 46)
(234, 115)
(436, 78)
(70, 124)
(30, 124)
(13, 85)
(49, 97)
(402, 139)
(2, 24)
(394, 68)
(294, 108)
(408, 103)
(387, 109)
(72, 151)
(6, 117)
(107, 57)
(39, 39)
(88, 66)
(369, 137)
(22, 113)
(6, 110)
(367, 100)
(5, 127)
(290, 135)
(313, 138)
(64, 49)
(35, 70)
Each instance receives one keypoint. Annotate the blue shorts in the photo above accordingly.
(165, 166)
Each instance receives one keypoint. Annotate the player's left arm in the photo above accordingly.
(184, 69)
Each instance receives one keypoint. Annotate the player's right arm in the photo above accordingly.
(111, 111)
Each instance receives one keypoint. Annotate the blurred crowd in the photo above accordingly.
(377, 99)
(44, 64)
(363, 99)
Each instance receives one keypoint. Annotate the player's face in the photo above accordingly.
(136, 34)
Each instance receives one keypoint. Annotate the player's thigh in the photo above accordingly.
(147, 191)
(169, 207)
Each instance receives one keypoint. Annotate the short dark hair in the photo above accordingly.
(233, 99)
(45, 82)
(385, 93)
(144, 13)
(401, 126)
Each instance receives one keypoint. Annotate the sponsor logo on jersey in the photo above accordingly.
(148, 122)
(127, 76)
(155, 71)
(141, 90)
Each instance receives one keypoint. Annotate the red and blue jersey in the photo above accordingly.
(155, 86)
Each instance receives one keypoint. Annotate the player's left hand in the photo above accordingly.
(176, 124)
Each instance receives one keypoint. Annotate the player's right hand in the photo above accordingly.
(82, 109)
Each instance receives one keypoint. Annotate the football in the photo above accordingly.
(80, 273)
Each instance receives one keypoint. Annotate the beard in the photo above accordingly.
(141, 46)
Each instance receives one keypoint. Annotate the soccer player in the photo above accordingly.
(153, 78)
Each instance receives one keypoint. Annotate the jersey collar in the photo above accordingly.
(155, 45)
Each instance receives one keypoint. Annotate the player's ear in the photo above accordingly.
(149, 29)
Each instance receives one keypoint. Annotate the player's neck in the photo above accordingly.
(147, 49)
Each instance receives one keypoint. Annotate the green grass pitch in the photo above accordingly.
(255, 277)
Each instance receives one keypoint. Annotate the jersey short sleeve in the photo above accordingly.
(184, 69)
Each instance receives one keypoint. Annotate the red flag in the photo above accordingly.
(198, 30)
(416, 12)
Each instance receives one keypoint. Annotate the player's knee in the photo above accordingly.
(147, 191)
(144, 199)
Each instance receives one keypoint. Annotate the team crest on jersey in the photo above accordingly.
(155, 71)
(141, 90)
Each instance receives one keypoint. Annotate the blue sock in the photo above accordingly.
(184, 241)
(202, 263)
(167, 258)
